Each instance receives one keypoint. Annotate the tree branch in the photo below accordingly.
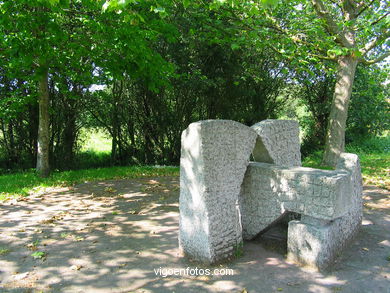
(324, 14)
(379, 19)
(362, 9)
(376, 60)
(331, 25)
(375, 42)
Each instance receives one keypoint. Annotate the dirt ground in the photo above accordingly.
(112, 236)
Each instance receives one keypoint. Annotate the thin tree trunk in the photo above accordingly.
(335, 138)
(33, 131)
(43, 167)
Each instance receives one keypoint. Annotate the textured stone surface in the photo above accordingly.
(214, 157)
(223, 199)
(269, 190)
(277, 143)
(316, 243)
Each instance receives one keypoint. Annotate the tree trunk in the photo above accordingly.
(69, 139)
(335, 138)
(33, 131)
(43, 168)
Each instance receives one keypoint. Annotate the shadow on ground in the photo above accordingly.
(112, 236)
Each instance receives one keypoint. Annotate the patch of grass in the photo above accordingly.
(4, 251)
(95, 151)
(239, 250)
(373, 145)
(95, 140)
(314, 161)
(374, 155)
(38, 254)
(92, 159)
(22, 184)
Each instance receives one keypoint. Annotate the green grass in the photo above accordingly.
(38, 254)
(374, 155)
(95, 140)
(95, 151)
(22, 184)
(4, 251)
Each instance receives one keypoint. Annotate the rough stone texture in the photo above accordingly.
(316, 243)
(223, 199)
(268, 191)
(277, 143)
(214, 157)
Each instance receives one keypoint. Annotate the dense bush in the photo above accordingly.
(369, 113)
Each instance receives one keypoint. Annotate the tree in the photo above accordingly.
(213, 79)
(42, 39)
(358, 29)
(33, 43)
(28, 34)
(346, 32)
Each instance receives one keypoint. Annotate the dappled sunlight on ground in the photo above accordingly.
(109, 236)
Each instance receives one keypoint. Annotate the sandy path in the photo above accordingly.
(110, 236)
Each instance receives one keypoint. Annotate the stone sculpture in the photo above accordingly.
(224, 198)
(214, 158)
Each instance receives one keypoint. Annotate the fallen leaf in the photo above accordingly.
(109, 189)
(78, 238)
(32, 246)
(76, 267)
(293, 283)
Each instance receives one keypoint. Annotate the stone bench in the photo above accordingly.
(224, 198)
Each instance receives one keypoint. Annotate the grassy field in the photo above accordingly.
(95, 140)
(374, 155)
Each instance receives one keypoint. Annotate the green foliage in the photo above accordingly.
(315, 95)
(4, 251)
(95, 140)
(39, 255)
(213, 80)
(80, 46)
(91, 159)
(374, 155)
(166, 64)
(369, 113)
(370, 145)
